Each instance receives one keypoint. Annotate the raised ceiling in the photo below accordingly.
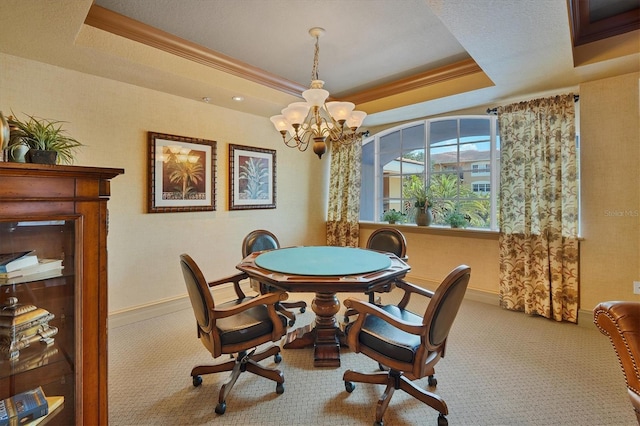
(396, 59)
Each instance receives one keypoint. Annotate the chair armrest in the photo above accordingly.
(269, 299)
(235, 279)
(365, 308)
(620, 321)
(410, 289)
(230, 279)
(407, 286)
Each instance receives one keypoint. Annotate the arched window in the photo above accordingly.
(457, 158)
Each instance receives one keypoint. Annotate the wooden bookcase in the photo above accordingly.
(60, 212)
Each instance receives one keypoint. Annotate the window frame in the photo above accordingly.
(378, 198)
(481, 182)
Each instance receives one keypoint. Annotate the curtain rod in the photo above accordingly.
(576, 98)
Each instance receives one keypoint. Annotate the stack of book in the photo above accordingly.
(25, 266)
(30, 407)
(21, 325)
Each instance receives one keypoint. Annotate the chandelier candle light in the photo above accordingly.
(315, 119)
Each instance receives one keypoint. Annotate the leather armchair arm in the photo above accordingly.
(364, 309)
(620, 321)
(269, 299)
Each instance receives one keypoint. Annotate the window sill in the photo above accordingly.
(435, 230)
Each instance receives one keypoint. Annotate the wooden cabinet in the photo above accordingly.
(61, 213)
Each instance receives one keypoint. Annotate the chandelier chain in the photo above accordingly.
(314, 71)
(317, 121)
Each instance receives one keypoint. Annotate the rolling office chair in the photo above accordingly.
(234, 328)
(405, 345)
(388, 240)
(620, 321)
(261, 240)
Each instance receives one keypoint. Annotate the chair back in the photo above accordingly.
(389, 240)
(259, 240)
(444, 306)
(199, 294)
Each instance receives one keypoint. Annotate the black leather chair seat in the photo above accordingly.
(252, 323)
(388, 340)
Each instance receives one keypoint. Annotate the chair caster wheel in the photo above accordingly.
(277, 358)
(197, 381)
(280, 388)
(291, 322)
(302, 310)
(349, 386)
(221, 408)
(432, 381)
(442, 420)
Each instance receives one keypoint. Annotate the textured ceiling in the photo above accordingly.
(392, 57)
(273, 35)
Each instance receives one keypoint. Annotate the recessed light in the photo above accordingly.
(238, 98)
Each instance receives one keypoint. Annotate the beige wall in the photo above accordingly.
(112, 119)
(610, 203)
(610, 145)
(433, 252)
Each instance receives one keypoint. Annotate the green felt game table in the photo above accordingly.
(324, 271)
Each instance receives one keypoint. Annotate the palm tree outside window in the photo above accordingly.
(457, 158)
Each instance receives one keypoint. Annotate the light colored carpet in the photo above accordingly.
(501, 368)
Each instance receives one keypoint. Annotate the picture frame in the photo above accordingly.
(252, 178)
(182, 174)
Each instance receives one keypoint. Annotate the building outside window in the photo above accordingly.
(482, 187)
(457, 158)
(481, 169)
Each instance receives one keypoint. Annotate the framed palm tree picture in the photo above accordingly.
(252, 178)
(182, 174)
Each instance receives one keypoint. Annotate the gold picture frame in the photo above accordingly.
(182, 174)
(252, 178)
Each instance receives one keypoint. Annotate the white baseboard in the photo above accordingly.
(159, 308)
(471, 294)
(147, 311)
(167, 306)
(585, 317)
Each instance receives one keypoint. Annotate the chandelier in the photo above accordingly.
(316, 119)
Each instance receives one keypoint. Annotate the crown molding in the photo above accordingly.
(418, 81)
(131, 29)
(118, 24)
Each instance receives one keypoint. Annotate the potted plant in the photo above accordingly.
(45, 140)
(393, 216)
(421, 197)
(456, 219)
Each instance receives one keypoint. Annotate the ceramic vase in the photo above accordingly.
(424, 216)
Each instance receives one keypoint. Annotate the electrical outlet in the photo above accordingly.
(636, 287)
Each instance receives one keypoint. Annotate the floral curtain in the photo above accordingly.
(538, 240)
(344, 194)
